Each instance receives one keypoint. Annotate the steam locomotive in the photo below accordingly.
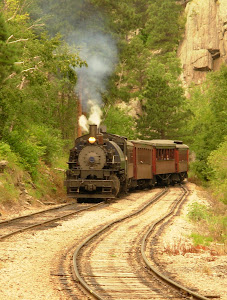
(101, 164)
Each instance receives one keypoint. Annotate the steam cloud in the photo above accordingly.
(100, 52)
(94, 117)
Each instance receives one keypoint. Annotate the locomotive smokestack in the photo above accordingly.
(93, 130)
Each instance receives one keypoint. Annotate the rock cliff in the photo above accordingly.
(204, 47)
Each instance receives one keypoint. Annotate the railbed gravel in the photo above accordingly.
(29, 260)
(205, 271)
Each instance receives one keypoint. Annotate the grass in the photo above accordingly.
(201, 240)
(211, 223)
(8, 194)
(198, 212)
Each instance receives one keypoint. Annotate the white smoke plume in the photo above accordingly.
(86, 31)
(100, 52)
(95, 113)
(94, 117)
(83, 122)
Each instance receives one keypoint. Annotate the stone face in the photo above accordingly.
(204, 47)
(202, 60)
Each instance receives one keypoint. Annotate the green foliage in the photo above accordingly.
(39, 86)
(49, 140)
(8, 193)
(7, 52)
(198, 212)
(7, 154)
(211, 224)
(119, 122)
(200, 239)
(124, 16)
(207, 127)
(162, 103)
(27, 150)
(217, 161)
(3, 30)
(138, 26)
(37, 82)
(133, 70)
(65, 18)
(217, 226)
(163, 29)
(37, 143)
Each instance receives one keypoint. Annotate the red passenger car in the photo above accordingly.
(159, 161)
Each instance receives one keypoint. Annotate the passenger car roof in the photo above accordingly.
(161, 143)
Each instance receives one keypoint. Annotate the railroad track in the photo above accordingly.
(113, 262)
(20, 224)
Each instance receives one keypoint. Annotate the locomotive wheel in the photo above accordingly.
(116, 181)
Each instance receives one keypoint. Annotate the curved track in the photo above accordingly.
(20, 224)
(109, 263)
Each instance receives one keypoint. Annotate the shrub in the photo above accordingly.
(198, 212)
(6, 153)
(201, 240)
(211, 224)
(37, 143)
(8, 193)
(49, 140)
(27, 151)
(218, 162)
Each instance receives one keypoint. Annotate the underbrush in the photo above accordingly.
(181, 248)
(18, 187)
(211, 223)
(211, 172)
(8, 194)
(49, 184)
(32, 145)
(9, 177)
(218, 176)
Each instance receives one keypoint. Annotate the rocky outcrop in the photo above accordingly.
(204, 47)
(3, 164)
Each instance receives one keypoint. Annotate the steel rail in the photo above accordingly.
(36, 213)
(154, 270)
(45, 222)
(88, 239)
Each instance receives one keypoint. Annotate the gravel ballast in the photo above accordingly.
(27, 261)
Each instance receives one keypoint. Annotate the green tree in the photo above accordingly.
(37, 91)
(163, 105)
(208, 124)
(123, 17)
(163, 29)
(217, 161)
(44, 74)
(135, 63)
(119, 122)
(7, 53)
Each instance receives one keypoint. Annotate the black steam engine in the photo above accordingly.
(97, 165)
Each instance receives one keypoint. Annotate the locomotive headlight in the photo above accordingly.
(92, 140)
